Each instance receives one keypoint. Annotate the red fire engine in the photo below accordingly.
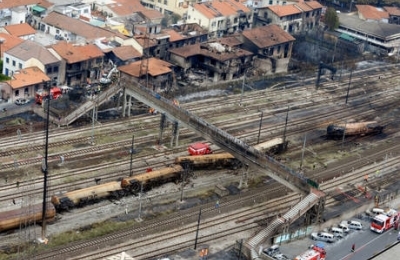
(384, 221)
(199, 149)
(316, 252)
(42, 94)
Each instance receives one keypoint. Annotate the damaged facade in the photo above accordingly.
(218, 61)
(273, 48)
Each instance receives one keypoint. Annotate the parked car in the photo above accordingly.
(280, 257)
(337, 232)
(355, 225)
(323, 236)
(344, 226)
(272, 250)
(21, 101)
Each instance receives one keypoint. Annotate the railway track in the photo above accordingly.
(320, 102)
(261, 199)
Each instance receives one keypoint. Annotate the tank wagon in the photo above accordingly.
(151, 179)
(25, 216)
(220, 160)
(145, 181)
(350, 129)
(271, 147)
(89, 195)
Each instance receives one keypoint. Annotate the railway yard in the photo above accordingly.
(163, 221)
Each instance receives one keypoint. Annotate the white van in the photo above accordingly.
(344, 226)
(355, 225)
(374, 212)
(337, 232)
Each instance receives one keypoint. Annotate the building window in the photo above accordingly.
(13, 63)
(7, 60)
(270, 2)
(213, 24)
(159, 1)
(55, 69)
(57, 31)
(48, 70)
(166, 2)
(235, 20)
(20, 65)
(17, 93)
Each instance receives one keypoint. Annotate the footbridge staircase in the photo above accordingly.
(313, 198)
(84, 108)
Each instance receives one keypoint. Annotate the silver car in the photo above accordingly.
(21, 101)
(323, 236)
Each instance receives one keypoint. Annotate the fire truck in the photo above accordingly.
(199, 149)
(384, 221)
(316, 252)
(43, 94)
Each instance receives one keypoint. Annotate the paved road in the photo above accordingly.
(367, 244)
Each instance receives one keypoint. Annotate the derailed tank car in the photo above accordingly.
(89, 195)
(152, 178)
(350, 129)
(220, 160)
(25, 216)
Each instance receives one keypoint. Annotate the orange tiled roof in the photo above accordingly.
(267, 36)
(217, 8)
(78, 27)
(20, 29)
(155, 67)
(173, 35)
(371, 12)
(9, 42)
(126, 52)
(313, 4)
(152, 14)
(284, 10)
(14, 3)
(72, 53)
(392, 10)
(27, 77)
(126, 7)
(304, 6)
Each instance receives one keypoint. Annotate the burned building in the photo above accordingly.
(273, 47)
(218, 61)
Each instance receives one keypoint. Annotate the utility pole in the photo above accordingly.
(44, 166)
(197, 230)
(241, 96)
(348, 88)
(132, 152)
(302, 152)
(259, 129)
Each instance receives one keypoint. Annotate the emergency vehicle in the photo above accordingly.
(199, 149)
(385, 221)
(316, 252)
(42, 94)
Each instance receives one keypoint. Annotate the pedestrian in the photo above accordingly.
(6, 178)
(17, 184)
(353, 247)
(366, 178)
(14, 202)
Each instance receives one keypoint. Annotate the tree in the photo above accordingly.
(331, 19)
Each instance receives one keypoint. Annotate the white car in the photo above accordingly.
(344, 226)
(323, 236)
(21, 101)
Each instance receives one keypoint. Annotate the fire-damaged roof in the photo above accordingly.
(155, 67)
(214, 50)
(267, 36)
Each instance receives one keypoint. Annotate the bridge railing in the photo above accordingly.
(226, 140)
